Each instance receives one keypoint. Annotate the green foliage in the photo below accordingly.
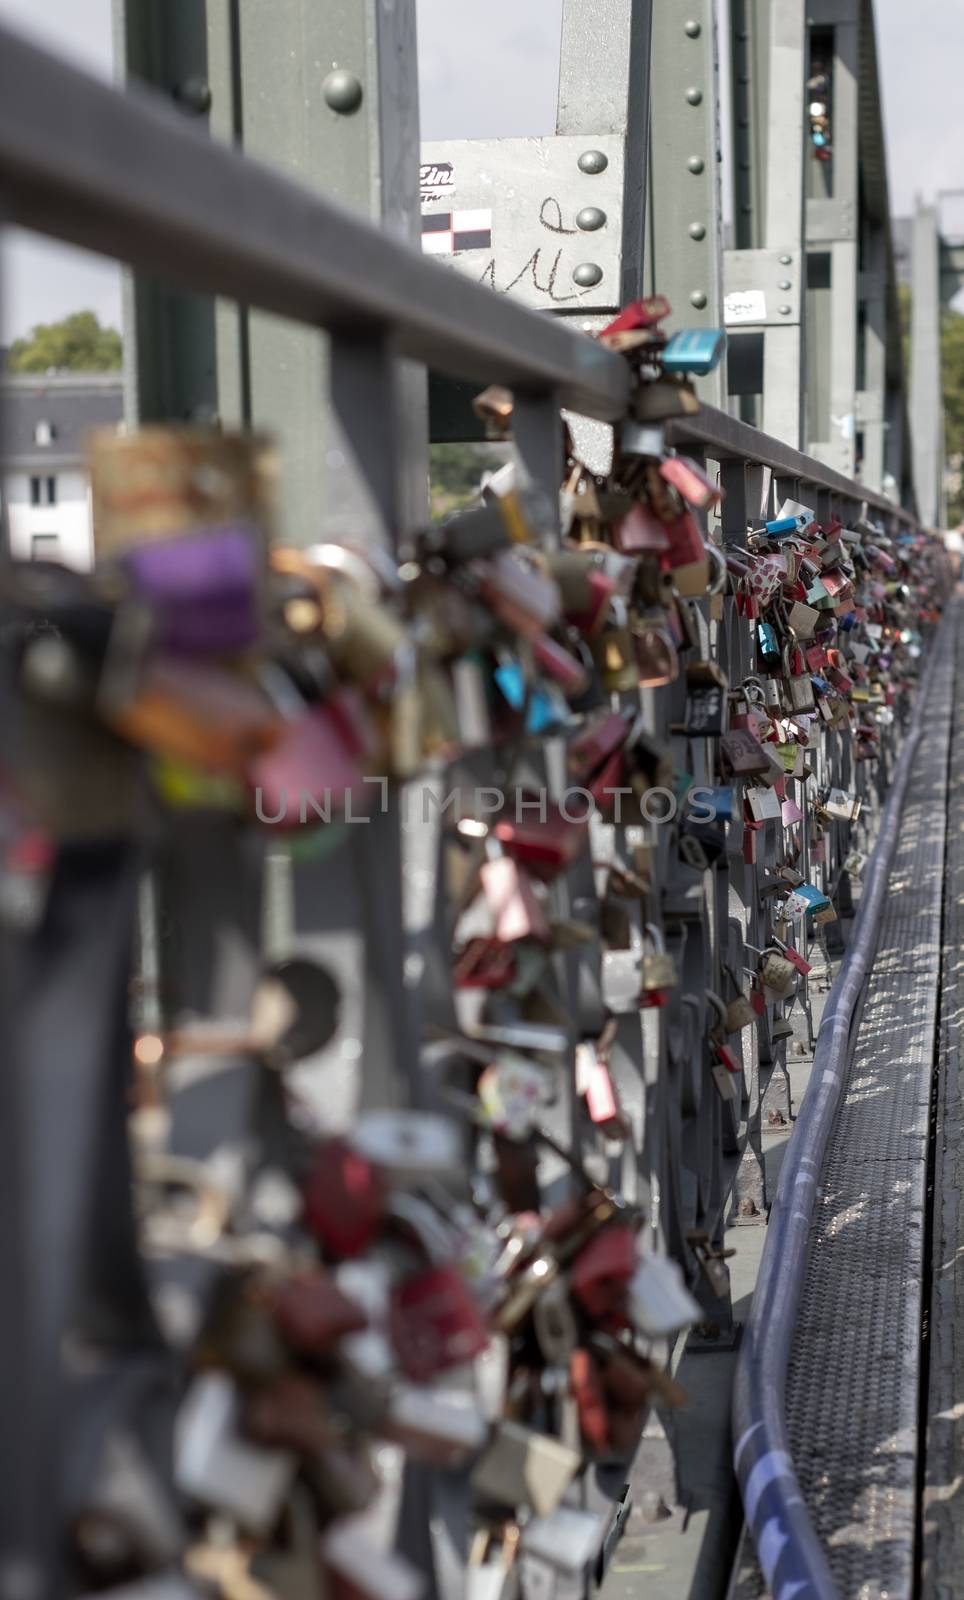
(456, 473)
(77, 344)
(952, 352)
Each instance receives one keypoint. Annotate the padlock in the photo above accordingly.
(355, 1568)
(313, 1313)
(435, 1323)
(645, 313)
(489, 1572)
(794, 957)
(614, 653)
(658, 970)
(315, 771)
(545, 844)
(657, 662)
(694, 350)
(217, 1468)
(600, 1275)
(594, 1083)
(203, 589)
(207, 716)
(569, 1540)
(597, 743)
(158, 482)
(687, 556)
(776, 972)
(706, 699)
(512, 1092)
(344, 1199)
(744, 753)
(485, 964)
(769, 653)
(524, 1468)
(516, 911)
(660, 1303)
(740, 1014)
(640, 530)
(691, 482)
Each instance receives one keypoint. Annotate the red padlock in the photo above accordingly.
(545, 844)
(484, 964)
(600, 1275)
(591, 1408)
(344, 1203)
(435, 1323)
(313, 1313)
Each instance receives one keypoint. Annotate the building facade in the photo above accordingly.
(46, 420)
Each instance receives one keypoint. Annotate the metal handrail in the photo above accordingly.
(125, 174)
(791, 1555)
(184, 206)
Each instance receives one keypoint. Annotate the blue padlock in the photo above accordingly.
(768, 645)
(784, 525)
(696, 350)
(815, 898)
(546, 710)
(821, 685)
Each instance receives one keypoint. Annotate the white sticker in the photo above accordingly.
(746, 305)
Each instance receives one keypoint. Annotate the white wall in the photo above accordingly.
(69, 520)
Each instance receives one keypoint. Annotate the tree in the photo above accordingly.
(77, 344)
(952, 359)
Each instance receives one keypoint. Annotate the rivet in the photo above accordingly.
(593, 162)
(194, 94)
(692, 29)
(697, 230)
(784, 310)
(785, 261)
(587, 275)
(698, 299)
(342, 91)
(785, 285)
(694, 96)
(746, 207)
(695, 164)
(590, 218)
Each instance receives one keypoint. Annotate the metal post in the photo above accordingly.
(872, 395)
(685, 241)
(766, 275)
(329, 95)
(833, 227)
(926, 399)
(170, 352)
(604, 88)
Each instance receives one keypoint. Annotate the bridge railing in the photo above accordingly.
(123, 174)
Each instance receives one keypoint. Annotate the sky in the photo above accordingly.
(494, 72)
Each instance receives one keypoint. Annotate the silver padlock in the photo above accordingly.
(218, 1468)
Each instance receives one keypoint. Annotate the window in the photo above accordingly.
(35, 491)
(51, 491)
(43, 433)
(44, 547)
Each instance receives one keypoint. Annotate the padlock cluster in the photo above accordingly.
(819, 88)
(468, 1292)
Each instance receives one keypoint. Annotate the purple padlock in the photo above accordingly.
(203, 589)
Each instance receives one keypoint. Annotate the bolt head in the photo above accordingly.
(590, 218)
(785, 261)
(587, 275)
(593, 162)
(785, 285)
(697, 231)
(698, 299)
(343, 91)
(694, 96)
(784, 310)
(696, 165)
(194, 94)
(692, 28)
